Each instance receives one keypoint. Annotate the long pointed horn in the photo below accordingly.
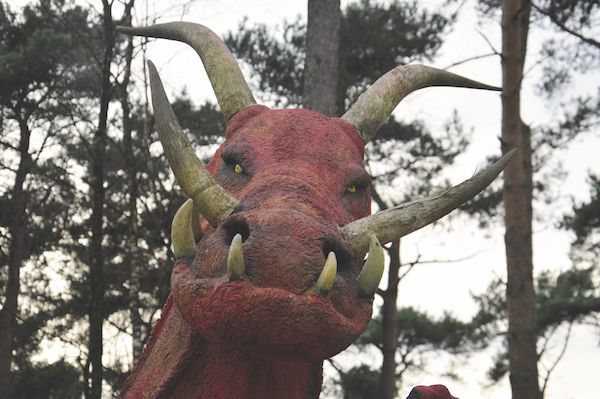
(391, 224)
(231, 89)
(376, 104)
(210, 199)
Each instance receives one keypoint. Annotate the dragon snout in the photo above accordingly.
(265, 247)
(293, 247)
(285, 247)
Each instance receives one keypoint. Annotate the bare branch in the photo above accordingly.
(469, 59)
(478, 57)
(335, 366)
(377, 198)
(565, 28)
(410, 268)
(8, 145)
(456, 260)
(489, 43)
(547, 340)
(558, 358)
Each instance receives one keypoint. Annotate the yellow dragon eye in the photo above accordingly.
(351, 188)
(238, 168)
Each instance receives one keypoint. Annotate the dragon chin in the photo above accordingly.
(266, 321)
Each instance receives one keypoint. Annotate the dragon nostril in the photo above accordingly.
(233, 226)
(341, 254)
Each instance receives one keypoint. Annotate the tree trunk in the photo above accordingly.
(520, 295)
(321, 65)
(96, 312)
(389, 330)
(16, 257)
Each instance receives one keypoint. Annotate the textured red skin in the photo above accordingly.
(430, 392)
(267, 335)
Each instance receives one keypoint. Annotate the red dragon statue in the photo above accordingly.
(270, 278)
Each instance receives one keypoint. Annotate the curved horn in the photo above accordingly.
(376, 104)
(210, 199)
(391, 224)
(231, 89)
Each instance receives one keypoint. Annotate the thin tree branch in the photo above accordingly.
(418, 261)
(469, 59)
(377, 198)
(558, 358)
(489, 43)
(565, 28)
(335, 366)
(478, 57)
(421, 262)
(410, 268)
(8, 145)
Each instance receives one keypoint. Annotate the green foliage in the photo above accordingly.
(578, 19)
(49, 85)
(419, 332)
(40, 64)
(492, 308)
(580, 12)
(59, 380)
(580, 115)
(205, 123)
(500, 367)
(418, 335)
(374, 38)
(562, 299)
(571, 296)
(359, 382)
(40, 54)
(423, 156)
(586, 217)
(277, 65)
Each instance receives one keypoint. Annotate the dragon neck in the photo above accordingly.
(176, 363)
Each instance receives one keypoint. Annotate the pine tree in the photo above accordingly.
(37, 53)
(572, 50)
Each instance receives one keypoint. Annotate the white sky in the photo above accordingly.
(436, 287)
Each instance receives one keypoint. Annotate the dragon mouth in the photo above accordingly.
(279, 248)
(267, 321)
(309, 305)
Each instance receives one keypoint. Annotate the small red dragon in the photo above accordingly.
(270, 278)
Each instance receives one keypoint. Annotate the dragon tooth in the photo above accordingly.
(325, 280)
(235, 259)
(182, 233)
(370, 275)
